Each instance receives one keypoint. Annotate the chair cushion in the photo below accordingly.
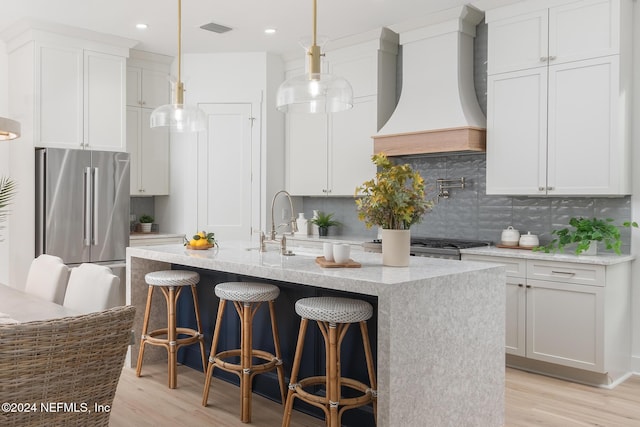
(92, 288)
(172, 278)
(47, 278)
(334, 310)
(247, 291)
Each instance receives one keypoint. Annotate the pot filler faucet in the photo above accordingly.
(292, 222)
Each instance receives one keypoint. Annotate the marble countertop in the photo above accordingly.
(371, 278)
(608, 259)
(141, 236)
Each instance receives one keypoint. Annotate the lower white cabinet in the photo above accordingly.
(569, 314)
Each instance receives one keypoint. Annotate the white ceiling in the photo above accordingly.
(248, 18)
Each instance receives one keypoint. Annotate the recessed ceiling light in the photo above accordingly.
(270, 31)
(141, 26)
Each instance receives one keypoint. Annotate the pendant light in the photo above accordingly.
(178, 116)
(314, 92)
(9, 129)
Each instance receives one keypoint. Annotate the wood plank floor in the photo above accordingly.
(531, 400)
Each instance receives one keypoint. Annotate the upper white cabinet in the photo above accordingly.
(330, 154)
(79, 97)
(557, 110)
(148, 87)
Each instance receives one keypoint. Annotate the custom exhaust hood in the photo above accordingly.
(438, 110)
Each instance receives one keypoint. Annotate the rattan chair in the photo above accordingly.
(68, 368)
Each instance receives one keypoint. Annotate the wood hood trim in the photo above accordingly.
(449, 140)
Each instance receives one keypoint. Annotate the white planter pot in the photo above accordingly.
(593, 249)
(395, 247)
(145, 227)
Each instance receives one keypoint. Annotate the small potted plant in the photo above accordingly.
(145, 223)
(324, 221)
(394, 200)
(585, 233)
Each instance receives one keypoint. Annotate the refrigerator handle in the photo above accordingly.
(87, 207)
(96, 200)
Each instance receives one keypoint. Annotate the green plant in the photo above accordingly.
(586, 230)
(7, 191)
(394, 199)
(324, 220)
(146, 219)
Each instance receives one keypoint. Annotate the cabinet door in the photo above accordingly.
(586, 153)
(307, 154)
(583, 30)
(515, 327)
(565, 324)
(104, 101)
(518, 43)
(154, 157)
(134, 124)
(516, 132)
(155, 88)
(134, 86)
(59, 99)
(351, 147)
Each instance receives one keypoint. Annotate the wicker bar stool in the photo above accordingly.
(247, 298)
(171, 283)
(333, 316)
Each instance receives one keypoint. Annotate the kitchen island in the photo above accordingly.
(440, 324)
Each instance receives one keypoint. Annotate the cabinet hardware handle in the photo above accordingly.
(520, 285)
(550, 188)
(528, 286)
(544, 58)
(324, 190)
(540, 188)
(566, 273)
(551, 58)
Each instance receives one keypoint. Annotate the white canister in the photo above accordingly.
(327, 251)
(301, 222)
(341, 252)
(529, 240)
(510, 236)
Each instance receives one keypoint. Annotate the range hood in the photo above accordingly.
(438, 110)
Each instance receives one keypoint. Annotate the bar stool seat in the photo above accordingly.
(171, 283)
(333, 316)
(247, 298)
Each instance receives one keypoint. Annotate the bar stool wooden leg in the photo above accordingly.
(286, 419)
(194, 294)
(245, 348)
(145, 329)
(212, 353)
(171, 297)
(333, 392)
(276, 343)
(364, 331)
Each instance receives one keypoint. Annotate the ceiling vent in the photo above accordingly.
(216, 28)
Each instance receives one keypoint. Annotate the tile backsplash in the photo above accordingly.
(471, 213)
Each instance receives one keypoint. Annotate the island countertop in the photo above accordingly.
(440, 341)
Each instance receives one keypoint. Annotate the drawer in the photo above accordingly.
(581, 274)
(514, 267)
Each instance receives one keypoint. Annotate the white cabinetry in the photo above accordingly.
(557, 83)
(331, 154)
(147, 88)
(570, 314)
(79, 96)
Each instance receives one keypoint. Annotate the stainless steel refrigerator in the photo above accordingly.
(82, 207)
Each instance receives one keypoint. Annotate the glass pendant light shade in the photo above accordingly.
(9, 129)
(179, 118)
(314, 93)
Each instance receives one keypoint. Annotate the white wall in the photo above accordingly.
(225, 78)
(635, 197)
(4, 162)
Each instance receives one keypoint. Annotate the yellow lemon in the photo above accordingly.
(193, 242)
(202, 242)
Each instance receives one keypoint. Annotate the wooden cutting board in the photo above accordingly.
(330, 264)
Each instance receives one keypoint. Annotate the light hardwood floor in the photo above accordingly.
(530, 400)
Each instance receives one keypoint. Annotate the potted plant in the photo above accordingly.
(394, 200)
(324, 221)
(7, 191)
(585, 233)
(145, 223)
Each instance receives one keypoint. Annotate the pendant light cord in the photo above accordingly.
(180, 37)
(315, 22)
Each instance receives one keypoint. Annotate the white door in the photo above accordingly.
(224, 171)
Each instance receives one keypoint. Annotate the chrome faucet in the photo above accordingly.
(292, 221)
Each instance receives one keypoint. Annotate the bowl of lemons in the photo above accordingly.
(201, 241)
